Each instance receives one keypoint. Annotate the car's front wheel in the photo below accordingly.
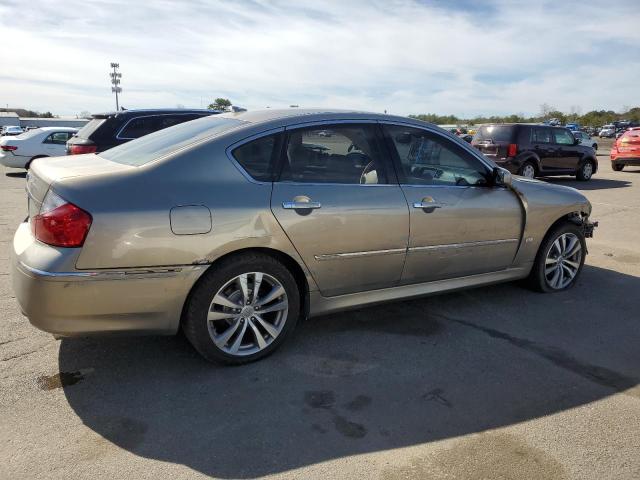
(242, 309)
(559, 260)
(585, 172)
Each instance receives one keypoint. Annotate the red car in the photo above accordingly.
(626, 149)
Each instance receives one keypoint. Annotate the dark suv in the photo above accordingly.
(536, 150)
(106, 130)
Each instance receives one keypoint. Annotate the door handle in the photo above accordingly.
(301, 205)
(427, 205)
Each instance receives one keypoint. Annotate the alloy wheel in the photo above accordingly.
(563, 261)
(587, 170)
(528, 171)
(247, 314)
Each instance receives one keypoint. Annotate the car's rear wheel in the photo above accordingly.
(242, 309)
(559, 260)
(527, 170)
(617, 167)
(585, 172)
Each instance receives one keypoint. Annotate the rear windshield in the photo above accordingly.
(495, 133)
(90, 127)
(29, 133)
(158, 144)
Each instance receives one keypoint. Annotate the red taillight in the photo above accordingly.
(512, 150)
(80, 149)
(8, 148)
(60, 223)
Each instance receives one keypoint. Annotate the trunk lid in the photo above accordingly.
(493, 140)
(629, 142)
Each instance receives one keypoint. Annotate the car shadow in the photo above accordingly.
(593, 184)
(368, 380)
(16, 174)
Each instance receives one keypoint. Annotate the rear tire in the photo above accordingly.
(556, 260)
(617, 167)
(585, 172)
(528, 170)
(220, 321)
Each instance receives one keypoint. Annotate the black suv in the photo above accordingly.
(536, 150)
(106, 130)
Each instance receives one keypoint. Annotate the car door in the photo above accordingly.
(54, 144)
(460, 225)
(543, 144)
(340, 205)
(569, 152)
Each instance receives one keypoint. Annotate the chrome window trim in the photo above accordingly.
(118, 137)
(449, 246)
(368, 253)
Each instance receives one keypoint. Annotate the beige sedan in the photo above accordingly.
(235, 227)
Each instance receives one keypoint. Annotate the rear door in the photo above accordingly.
(543, 144)
(339, 203)
(460, 225)
(54, 144)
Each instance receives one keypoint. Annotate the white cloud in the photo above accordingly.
(403, 56)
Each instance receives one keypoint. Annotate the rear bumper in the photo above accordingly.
(635, 161)
(70, 303)
(13, 161)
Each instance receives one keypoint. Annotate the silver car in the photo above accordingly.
(235, 227)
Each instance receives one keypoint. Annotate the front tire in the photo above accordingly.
(585, 172)
(559, 260)
(242, 309)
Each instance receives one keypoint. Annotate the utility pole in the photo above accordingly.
(115, 81)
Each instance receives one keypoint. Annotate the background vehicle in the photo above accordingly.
(273, 220)
(585, 139)
(574, 127)
(608, 131)
(21, 150)
(626, 150)
(106, 130)
(11, 130)
(536, 150)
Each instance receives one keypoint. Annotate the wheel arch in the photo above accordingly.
(530, 157)
(28, 164)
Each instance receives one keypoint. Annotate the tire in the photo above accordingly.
(585, 172)
(543, 272)
(220, 288)
(528, 170)
(617, 167)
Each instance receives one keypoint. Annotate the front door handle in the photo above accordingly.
(428, 203)
(301, 205)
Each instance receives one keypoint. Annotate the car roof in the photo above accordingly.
(151, 111)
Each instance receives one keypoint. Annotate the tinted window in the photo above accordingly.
(334, 154)
(256, 157)
(58, 138)
(430, 159)
(495, 133)
(563, 137)
(158, 144)
(541, 135)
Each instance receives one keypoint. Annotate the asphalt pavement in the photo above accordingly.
(495, 382)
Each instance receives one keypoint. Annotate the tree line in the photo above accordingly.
(592, 118)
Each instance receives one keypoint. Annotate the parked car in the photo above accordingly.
(232, 229)
(608, 131)
(536, 150)
(574, 127)
(626, 150)
(585, 139)
(11, 130)
(107, 130)
(21, 150)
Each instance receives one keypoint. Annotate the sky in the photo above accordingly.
(466, 57)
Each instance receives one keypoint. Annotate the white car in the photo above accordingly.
(586, 140)
(21, 150)
(12, 130)
(608, 131)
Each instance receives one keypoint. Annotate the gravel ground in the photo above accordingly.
(496, 382)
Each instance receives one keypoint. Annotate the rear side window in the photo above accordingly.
(541, 135)
(563, 137)
(141, 126)
(58, 138)
(163, 142)
(90, 127)
(495, 133)
(256, 157)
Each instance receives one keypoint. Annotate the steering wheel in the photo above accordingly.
(367, 169)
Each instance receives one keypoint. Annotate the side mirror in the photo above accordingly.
(502, 176)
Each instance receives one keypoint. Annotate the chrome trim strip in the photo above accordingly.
(449, 246)
(369, 253)
(110, 274)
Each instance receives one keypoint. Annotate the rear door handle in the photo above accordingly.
(301, 205)
(425, 205)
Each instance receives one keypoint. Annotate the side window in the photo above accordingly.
(256, 157)
(334, 154)
(430, 159)
(58, 138)
(138, 127)
(170, 120)
(541, 135)
(563, 137)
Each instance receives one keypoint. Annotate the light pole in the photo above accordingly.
(115, 81)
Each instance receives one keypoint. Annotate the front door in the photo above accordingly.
(337, 200)
(460, 225)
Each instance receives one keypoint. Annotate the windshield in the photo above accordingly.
(495, 133)
(158, 144)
